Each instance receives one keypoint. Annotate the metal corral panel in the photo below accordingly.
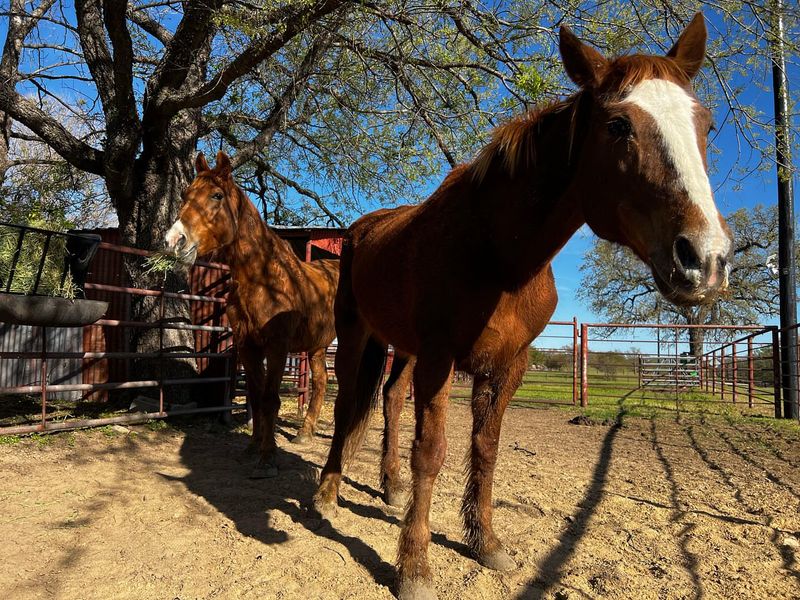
(28, 371)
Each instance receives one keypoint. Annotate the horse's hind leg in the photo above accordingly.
(349, 354)
(432, 379)
(319, 381)
(271, 403)
(394, 393)
(490, 396)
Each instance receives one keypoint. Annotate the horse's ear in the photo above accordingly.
(223, 167)
(690, 49)
(200, 164)
(583, 64)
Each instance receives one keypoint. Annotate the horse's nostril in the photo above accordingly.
(686, 255)
(179, 243)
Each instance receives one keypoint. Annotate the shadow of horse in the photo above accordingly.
(253, 504)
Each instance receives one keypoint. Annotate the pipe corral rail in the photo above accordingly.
(666, 366)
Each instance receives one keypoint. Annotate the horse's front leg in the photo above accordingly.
(252, 359)
(490, 396)
(432, 380)
(271, 404)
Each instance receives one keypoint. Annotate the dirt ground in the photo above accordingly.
(664, 508)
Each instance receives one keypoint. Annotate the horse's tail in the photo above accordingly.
(367, 394)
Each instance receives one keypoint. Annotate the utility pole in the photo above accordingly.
(786, 224)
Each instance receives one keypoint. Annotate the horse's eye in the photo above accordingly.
(218, 196)
(620, 128)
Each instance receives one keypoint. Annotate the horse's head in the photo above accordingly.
(643, 163)
(207, 220)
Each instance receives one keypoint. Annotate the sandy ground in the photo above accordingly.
(659, 508)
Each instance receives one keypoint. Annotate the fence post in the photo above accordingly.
(776, 370)
(677, 369)
(574, 361)
(714, 374)
(302, 382)
(584, 365)
(750, 373)
(722, 373)
(161, 349)
(640, 371)
(44, 378)
(734, 371)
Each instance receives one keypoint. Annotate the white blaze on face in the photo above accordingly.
(672, 109)
(174, 234)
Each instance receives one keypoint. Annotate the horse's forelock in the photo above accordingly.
(626, 71)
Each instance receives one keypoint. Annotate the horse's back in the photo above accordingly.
(426, 273)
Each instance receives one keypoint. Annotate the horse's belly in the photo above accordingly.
(388, 318)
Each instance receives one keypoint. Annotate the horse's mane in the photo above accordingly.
(514, 142)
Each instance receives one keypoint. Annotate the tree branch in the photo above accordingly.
(122, 121)
(193, 31)
(302, 190)
(140, 17)
(51, 132)
(95, 51)
(258, 51)
(15, 106)
(245, 151)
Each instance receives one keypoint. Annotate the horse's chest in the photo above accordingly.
(256, 317)
(516, 319)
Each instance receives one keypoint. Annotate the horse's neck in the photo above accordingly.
(531, 215)
(258, 253)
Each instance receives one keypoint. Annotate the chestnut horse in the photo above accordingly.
(277, 304)
(464, 279)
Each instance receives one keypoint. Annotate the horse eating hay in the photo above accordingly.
(464, 278)
(276, 304)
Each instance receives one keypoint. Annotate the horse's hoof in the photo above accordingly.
(324, 508)
(499, 560)
(415, 589)
(303, 438)
(396, 497)
(264, 472)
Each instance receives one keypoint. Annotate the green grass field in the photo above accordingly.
(608, 394)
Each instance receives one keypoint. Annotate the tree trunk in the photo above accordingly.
(697, 336)
(163, 171)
